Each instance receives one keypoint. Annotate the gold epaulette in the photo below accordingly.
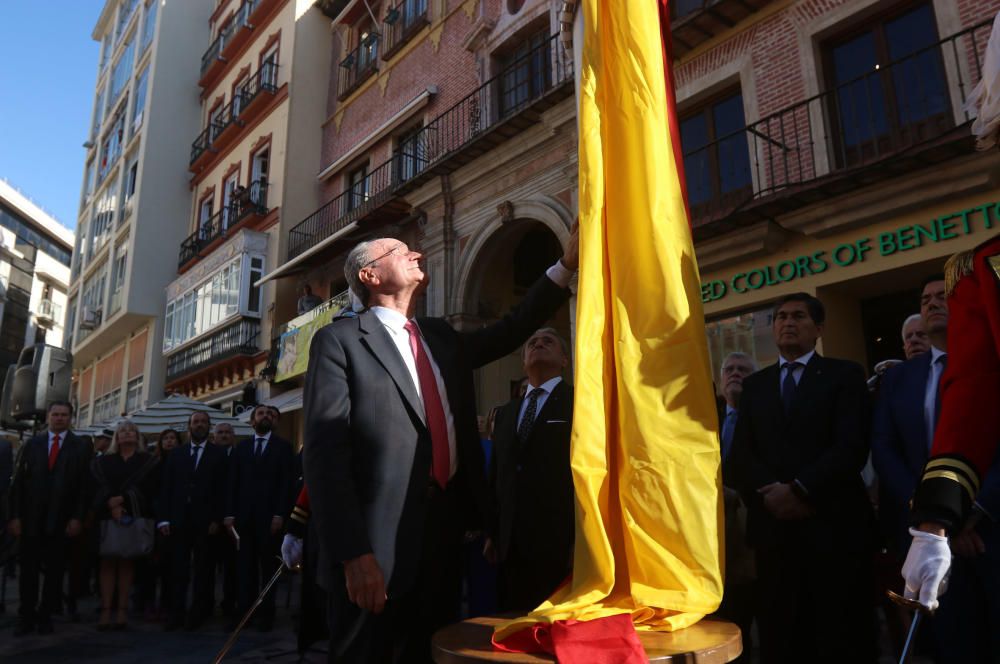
(958, 266)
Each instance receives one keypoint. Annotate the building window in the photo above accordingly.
(205, 216)
(269, 68)
(118, 276)
(253, 290)
(716, 161)
(526, 72)
(98, 114)
(213, 302)
(104, 216)
(92, 302)
(748, 333)
(411, 154)
(890, 86)
(70, 325)
(111, 146)
(357, 183)
(259, 167)
(124, 14)
(29, 234)
(139, 105)
(121, 72)
(133, 395)
(106, 51)
(83, 416)
(149, 24)
(129, 191)
(680, 8)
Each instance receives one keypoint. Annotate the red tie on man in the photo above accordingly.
(441, 468)
(54, 451)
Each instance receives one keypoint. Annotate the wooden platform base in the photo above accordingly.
(708, 642)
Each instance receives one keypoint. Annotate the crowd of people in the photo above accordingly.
(150, 526)
(412, 518)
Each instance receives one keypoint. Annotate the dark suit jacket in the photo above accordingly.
(46, 500)
(533, 482)
(822, 442)
(260, 489)
(204, 489)
(899, 446)
(367, 456)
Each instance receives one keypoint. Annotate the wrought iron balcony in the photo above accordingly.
(693, 22)
(235, 114)
(228, 38)
(402, 21)
(499, 109)
(358, 66)
(238, 338)
(245, 202)
(897, 118)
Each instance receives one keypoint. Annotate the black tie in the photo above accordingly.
(789, 385)
(195, 449)
(259, 448)
(528, 421)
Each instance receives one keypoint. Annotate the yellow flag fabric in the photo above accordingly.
(645, 451)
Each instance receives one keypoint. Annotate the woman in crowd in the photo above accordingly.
(159, 565)
(168, 440)
(123, 502)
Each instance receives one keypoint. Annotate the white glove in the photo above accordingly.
(926, 568)
(291, 551)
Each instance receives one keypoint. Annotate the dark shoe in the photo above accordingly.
(44, 626)
(23, 627)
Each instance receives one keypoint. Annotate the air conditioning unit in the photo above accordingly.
(90, 319)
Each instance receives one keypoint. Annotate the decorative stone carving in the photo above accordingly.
(506, 211)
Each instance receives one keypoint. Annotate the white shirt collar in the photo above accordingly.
(547, 386)
(199, 444)
(62, 435)
(265, 436)
(936, 353)
(390, 317)
(803, 360)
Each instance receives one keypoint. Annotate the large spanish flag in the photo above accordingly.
(645, 450)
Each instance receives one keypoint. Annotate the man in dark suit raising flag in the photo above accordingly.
(392, 460)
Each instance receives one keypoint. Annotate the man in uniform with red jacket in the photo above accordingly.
(968, 430)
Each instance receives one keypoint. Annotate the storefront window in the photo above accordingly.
(748, 333)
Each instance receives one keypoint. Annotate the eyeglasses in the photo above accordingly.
(388, 253)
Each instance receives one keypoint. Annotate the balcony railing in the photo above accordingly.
(244, 202)
(525, 83)
(49, 312)
(402, 21)
(264, 81)
(240, 20)
(239, 338)
(895, 110)
(358, 66)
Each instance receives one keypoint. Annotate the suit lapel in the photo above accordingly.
(376, 339)
(915, 389)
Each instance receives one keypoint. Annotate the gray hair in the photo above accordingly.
(736, 355)
(358, 258)
(126, 425)
(909, 319)
(554, 333)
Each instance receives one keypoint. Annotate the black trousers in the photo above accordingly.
(41, 554)
(256, 562)
(402, 633)
(190, 549)
(815, 604)
(225, 556)
(524, 583)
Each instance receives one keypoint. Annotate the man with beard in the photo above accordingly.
(260, 497)
(192, 496)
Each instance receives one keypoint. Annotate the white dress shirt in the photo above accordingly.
(263, 446)
(798, 371)
(931, 392)
(62, 439)
(197, 449)
(393, 321)
(546, 388)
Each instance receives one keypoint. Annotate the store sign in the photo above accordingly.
(904, 238)
(293, 345)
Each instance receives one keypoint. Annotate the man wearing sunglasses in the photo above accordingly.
(392, 460)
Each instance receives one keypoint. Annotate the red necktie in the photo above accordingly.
(54, 451)
(441, 468)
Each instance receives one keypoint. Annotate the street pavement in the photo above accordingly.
(146, 642)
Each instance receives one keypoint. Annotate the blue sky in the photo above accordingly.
(47, 83)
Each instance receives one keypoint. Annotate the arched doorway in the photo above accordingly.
(497, 275)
